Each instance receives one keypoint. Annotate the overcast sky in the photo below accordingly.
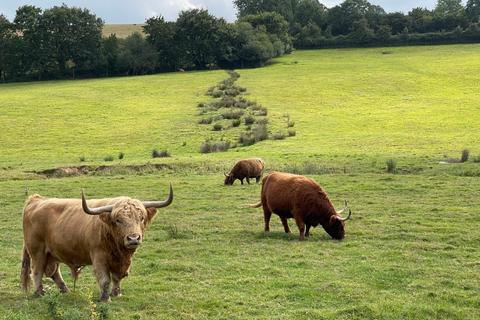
(137, 11)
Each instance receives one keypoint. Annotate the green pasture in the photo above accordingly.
(411, 250)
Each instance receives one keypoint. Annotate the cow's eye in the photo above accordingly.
(119, 221)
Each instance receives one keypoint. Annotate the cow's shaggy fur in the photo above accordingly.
(245, 169)
(301, 198)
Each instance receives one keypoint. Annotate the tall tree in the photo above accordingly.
(162, 35)
(5, 45)
(473, 10)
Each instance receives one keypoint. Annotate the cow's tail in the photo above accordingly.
(25, 273)
(255, 205)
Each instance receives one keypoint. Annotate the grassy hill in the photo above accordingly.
(122, 30)
(411, 250)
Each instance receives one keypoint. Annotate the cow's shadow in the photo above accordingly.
(280, 235)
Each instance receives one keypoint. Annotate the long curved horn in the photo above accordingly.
(160, 204)
(343, 210)
(226, 174)
(94, 211)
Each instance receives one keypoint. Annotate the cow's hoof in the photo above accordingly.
(40, 292)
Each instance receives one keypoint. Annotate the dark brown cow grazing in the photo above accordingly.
(301, 198)
(245, 169)
(104, 233)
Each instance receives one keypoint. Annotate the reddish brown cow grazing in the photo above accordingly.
(245, 169)
(301, 198)
(69, 231)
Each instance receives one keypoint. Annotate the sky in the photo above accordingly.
(137, 11)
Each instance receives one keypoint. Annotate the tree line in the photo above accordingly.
(360, 23)
(66, 42)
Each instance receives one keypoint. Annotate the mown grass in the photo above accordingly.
(411, 250)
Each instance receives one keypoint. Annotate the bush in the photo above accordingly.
(249, 120)
(262, 111)
(236, 123)
(290, 124)
(228, 102)
(121, 155)
(232, 92)
(246, 138)
(465, 155)
(206, 120)
(217, 127)
(201, 105)
(108, 158)
(476, 159)
(262, 121)
(279, 135)
(160, 154)
(217, 93)
(82, 159)
(233, 114)
(210, 146)
(241, 104)
(260, 132)
(391, 166)
(292, 133)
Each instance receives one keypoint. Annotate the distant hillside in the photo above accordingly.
(122, 30)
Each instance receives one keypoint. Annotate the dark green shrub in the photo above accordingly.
(260, 132)
(249, 119)
(292, 133)
(108, 158)
(217, 93)
(465, 155)
(160, 154)
(246, 138)
(82, 159)
(217, 127)
(210, 146)
(290, 124)
(279, 135)
(262, 111)
(121, 155)
(232, 114)
(236, 123)
(391, 166)
(206, 120)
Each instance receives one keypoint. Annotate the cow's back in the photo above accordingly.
(282, 192)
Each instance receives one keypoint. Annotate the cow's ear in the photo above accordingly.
(151, 212)
(106, 217)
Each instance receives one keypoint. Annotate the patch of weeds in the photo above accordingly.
(236, 123)
(232, 114)
(160, 154)
(217, 127)
(108, 158)
(260, 132)
(262, 121)
(279, 135)
(210, 146)
(391, 166)
(121, 155)
(246, 139)
(476, 159)
(249, 119)
(292, 133)
(205, 120)
(465, 155)
(82, 159)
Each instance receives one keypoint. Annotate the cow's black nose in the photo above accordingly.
(133, 238)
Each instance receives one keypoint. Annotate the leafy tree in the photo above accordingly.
(397, 22)
(162, 35)
(421, 20)
(361, 32)
(473, 10)
(5, 45)
(286, 8)
(111, 51)
(254, 45)
(199, 38)
(449, 14)
(275, 25)
(136, 55)
(343, 17)
(310, 11)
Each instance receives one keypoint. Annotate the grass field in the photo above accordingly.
(410, 252)
(121, 30)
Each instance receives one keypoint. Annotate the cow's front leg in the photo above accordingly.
(116, 290)
(103, 277)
